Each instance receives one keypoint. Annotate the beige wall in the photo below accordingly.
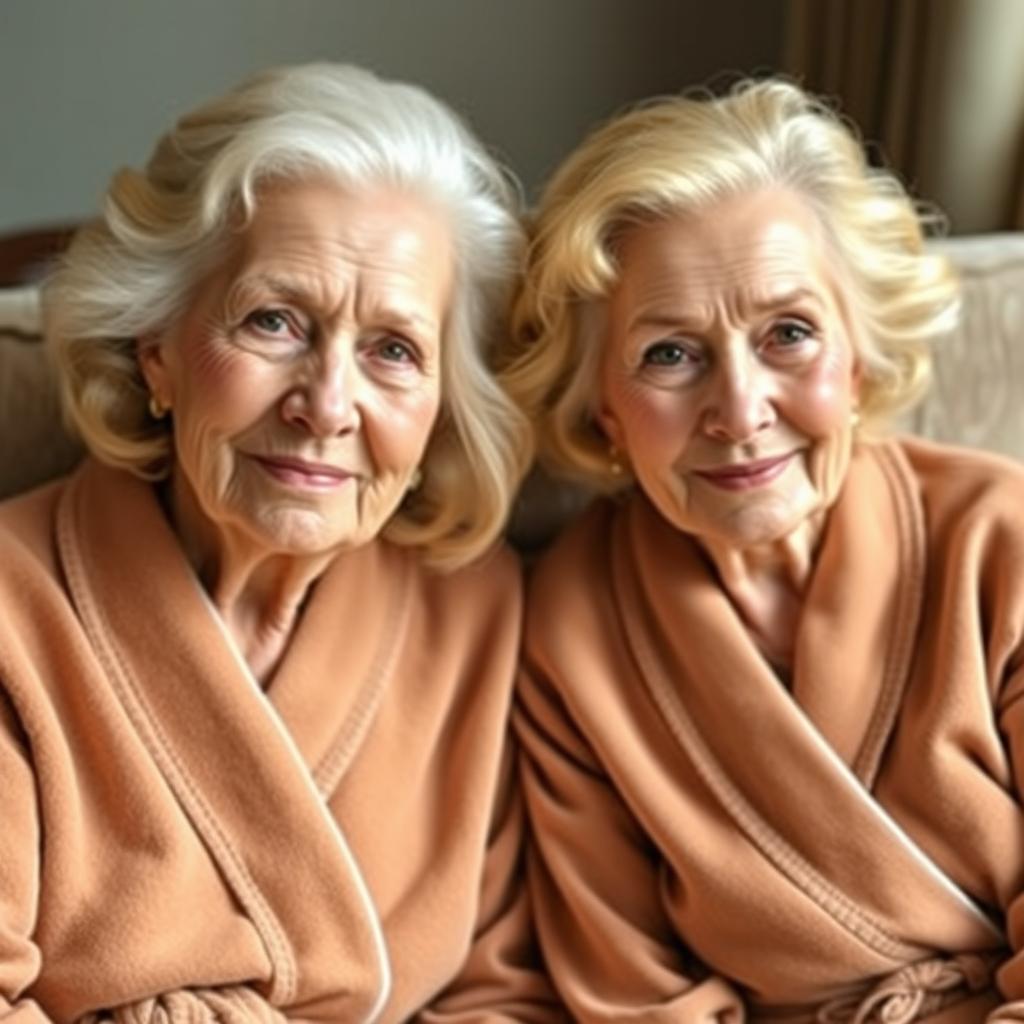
(86, 85)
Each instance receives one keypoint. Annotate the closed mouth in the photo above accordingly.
(300, 472)
(743, 475)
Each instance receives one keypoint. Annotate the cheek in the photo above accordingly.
(825, 396)
(224, 394)
(398, 427)
(826, 416)
(227, 390)
(222, 376)
(655, 421)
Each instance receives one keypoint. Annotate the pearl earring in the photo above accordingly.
(157, 409)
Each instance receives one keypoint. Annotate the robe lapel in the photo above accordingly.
(862, 612)
(344, 651)
(238, 765)
(771, 762)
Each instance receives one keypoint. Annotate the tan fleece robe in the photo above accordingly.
(177, 844)
(714, 844)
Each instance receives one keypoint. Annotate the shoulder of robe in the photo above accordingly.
(28, 546)
(968, 489)
(973, 505)
(485, 595)
(35, 614)
(572, 577)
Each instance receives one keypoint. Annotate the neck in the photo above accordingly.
(767, 584)
(259, 593)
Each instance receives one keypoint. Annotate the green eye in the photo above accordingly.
(792, 332)
(397, 351)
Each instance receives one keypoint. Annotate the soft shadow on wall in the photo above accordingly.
(86, 87)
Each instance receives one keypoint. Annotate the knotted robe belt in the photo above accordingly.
(914, 992)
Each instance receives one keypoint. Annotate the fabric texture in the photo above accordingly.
(936, 88)
(712, 842)
(178, 844)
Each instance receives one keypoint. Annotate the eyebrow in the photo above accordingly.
(248, 286)
(786, 298)
(293, 291)
(761, 304)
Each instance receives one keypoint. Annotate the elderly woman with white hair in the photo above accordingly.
(256, 653)
(774, 685)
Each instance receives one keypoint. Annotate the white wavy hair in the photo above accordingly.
(131, 273)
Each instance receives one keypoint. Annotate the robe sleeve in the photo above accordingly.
(596, 884)
(20, 957)
(1010, 708)
(19, 874)
(502, 980)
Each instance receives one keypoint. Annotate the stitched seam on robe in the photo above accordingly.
(285, 971)
(903, 638)
(337, 759)
(864, 927)
(795, 867)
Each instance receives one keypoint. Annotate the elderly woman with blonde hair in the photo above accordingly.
(257, 651)
(774, 683)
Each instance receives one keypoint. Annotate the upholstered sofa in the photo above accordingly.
(977, 397)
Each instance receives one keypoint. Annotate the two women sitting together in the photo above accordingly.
(260, 653)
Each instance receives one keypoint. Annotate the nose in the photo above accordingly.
(740, 401)
(325, 401)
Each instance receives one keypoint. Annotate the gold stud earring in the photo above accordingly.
(157, 409)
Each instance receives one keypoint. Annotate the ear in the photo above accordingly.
(857, 379)
(609, 423)
(149, 352)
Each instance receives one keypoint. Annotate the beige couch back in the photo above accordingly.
(977, 394)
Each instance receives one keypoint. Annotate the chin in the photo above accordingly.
(306, 532)
(752, 526)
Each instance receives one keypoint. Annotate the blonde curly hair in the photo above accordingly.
(683, 154)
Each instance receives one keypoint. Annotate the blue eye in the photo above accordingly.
(270, 321)
(666, 353)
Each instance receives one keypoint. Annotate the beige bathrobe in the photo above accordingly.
(177, 844)
(714, 844)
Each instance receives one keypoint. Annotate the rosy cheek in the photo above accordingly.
(825, 396)
(655, 427)
(400, 427)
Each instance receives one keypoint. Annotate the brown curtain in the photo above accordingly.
(936, 88)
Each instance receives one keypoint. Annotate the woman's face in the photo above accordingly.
(729, 375)
(304, 379)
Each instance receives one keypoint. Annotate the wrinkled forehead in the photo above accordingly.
(773, 228)
(756, 245)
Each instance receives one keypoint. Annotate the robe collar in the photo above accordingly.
(797, 769)
(249, 768)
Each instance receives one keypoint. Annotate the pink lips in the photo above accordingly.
(743, 476)
(292, 472)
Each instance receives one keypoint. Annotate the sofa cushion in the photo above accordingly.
(34, 447)
(977, 392)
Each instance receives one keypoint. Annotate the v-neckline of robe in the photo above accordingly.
(777, 757)
(250, 768)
